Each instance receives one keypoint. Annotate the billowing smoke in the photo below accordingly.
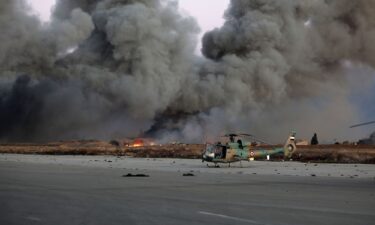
(283, 64)
(129, 63)
(117, 68)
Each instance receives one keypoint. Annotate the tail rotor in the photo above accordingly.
(290, 146)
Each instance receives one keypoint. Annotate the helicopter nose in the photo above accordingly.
(205, 154)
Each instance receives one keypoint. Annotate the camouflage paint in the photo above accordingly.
(235, 153)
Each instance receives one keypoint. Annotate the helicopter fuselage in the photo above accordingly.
(239, 151)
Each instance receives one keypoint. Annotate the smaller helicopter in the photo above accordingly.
(238, 150)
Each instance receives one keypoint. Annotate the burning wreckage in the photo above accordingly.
(106, 69)
(334, 153)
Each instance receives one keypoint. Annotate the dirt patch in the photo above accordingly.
(336, 154)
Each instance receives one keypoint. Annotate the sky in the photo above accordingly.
(209, 13)
(42, 8)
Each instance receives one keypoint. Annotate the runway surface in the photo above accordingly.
(92, 190)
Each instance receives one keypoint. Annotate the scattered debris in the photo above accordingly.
(188, 175)
(135, 175)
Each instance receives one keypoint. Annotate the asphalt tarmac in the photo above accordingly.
(92, 190)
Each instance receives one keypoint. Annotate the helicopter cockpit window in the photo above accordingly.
(210, 149)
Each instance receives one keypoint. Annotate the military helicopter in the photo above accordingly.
(238, 150)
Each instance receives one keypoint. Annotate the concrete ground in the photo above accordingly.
(37, 189)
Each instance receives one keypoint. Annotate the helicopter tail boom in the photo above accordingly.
(290, 146)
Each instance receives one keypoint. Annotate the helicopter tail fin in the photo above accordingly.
(290, 146)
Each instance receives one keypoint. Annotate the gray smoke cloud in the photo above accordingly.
(117, 68)
(284, 64)
(130, 63)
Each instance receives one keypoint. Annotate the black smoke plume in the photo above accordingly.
(116, 68)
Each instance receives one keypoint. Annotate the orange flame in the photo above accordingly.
(138, 143)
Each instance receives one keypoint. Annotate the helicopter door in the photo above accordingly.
(224, 152)
(218, 151)
(240, 145)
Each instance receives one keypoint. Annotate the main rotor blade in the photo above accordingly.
(230, 135)
(261, 141)
(246, 135)
(255, 138)
(362, 124)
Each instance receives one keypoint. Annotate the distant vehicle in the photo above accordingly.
(239, 150)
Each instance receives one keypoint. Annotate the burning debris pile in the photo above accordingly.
(138, 142)
(108, 69)
(191, 151)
